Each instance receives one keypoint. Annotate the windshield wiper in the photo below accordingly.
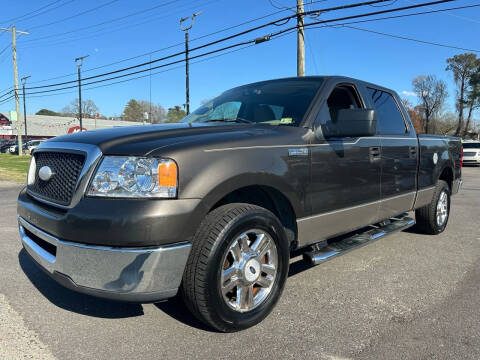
(237, 120)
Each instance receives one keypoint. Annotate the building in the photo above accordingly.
(43, 126)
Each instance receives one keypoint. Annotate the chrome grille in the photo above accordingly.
(66, 168)
(469, 153)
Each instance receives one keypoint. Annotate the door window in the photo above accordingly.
(389, 118)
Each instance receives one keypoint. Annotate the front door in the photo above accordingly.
(344, 192)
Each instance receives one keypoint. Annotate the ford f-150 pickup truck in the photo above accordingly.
(212, 207)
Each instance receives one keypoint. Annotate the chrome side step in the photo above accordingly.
(324, 250)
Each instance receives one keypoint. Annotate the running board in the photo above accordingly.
(324, 251)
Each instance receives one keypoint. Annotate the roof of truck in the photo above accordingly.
(324, 77)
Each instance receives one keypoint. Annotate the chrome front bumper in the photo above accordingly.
(126, 274)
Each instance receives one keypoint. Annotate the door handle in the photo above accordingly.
(412, 151)
(375, 153)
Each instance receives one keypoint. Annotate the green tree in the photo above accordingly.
(175, 114)
(463, 66)
(47, 112)
(133, 111)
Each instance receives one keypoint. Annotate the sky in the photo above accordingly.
(113, 30)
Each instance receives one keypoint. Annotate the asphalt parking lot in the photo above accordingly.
(407, 296)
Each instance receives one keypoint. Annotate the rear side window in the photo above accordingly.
(389, 118)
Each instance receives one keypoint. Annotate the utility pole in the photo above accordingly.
(15, 83)
(79, 62)
(300, 40)
(24, 80)
(187, 75)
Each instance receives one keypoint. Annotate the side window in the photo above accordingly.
(342, 97)
(389, 118)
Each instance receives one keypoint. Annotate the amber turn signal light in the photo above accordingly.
(167, 174)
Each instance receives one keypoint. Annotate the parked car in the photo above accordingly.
(14, 148)
(471, 152)
(5, 148)
(211, 207)
(33, 144)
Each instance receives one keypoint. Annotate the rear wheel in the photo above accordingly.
(237, 267)
(433, 218)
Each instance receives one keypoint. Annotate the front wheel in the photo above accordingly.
(433, 218)
(237, 267)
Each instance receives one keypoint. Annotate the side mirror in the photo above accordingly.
(351, 122)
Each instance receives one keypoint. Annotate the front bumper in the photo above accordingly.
(126, 274)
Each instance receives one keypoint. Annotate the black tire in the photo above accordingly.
(201, 284)
(426, 217)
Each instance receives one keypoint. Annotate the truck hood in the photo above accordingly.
(141, 140)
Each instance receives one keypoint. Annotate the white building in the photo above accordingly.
(42, 126)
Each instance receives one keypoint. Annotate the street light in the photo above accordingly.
(79, 62)
(24, 80)
(187, 80)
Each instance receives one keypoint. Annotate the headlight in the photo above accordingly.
(135, 177)
(31, 171)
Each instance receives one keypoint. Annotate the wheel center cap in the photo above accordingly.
(251, 270)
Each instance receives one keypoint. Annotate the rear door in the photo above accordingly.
(399, 148)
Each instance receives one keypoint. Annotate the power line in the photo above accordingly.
(74, 16)
(45, 11)
(367, 14)
(164, 48)
(181, 43)
(454, 15)
(157, 72)
(219, 41)
(235, 45)
(404, 15)
(103, 22)
(410, 39)
(109, 29)
(31, 12)
(144, 76)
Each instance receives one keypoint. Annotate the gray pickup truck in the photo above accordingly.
(212, 207)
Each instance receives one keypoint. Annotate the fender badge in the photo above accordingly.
(298, 152)
(435, 158)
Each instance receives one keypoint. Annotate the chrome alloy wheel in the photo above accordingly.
(442, 208)
(249, 270)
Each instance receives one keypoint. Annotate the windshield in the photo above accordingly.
(280, 102)
(471, 145)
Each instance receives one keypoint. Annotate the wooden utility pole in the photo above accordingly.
(187, 73)
(15, 83)
(300, 40)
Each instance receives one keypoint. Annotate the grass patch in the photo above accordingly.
(14, 167)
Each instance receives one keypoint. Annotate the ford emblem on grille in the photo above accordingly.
(45, 173)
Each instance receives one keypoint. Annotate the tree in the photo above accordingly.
(463, 66)
(415, 116)
(157, 113)
(89, 109)
(47, 112)
(446, 124)
(473, 96)
(133, 111)
(432, 94)
(175, 114)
